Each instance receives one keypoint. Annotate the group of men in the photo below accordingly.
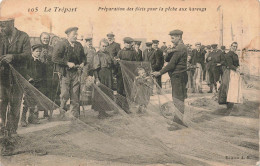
(70, 60)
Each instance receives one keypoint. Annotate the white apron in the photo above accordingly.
(234, 94)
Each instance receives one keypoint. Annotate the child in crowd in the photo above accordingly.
(37, 77)
(142, 89)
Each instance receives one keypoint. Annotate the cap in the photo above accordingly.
(36, 46)
(223, 47)
(88, 38)
(138, 42)
(71, 29)
(148, 44)
(176, 32)
(213, 45)
(198, 43)
(164, 42)
(110, 35)
(208, 47)
(128, 40)
(155, 41)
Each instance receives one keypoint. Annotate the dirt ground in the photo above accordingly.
(211, 138)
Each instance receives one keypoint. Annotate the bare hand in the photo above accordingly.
(8, 58)
(71, 64)
(81, 65)
(156, 73)
(218, 64)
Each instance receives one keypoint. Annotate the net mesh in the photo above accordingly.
(145, 136)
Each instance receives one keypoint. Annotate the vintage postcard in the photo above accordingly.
(129, 82)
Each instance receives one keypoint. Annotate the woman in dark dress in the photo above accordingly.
(102, 65)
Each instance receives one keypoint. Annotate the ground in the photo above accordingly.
(211, 138)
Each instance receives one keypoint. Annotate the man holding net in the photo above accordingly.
(15, 49)
(177, 68)
(69, 57)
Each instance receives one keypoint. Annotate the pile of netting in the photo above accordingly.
(147, 135)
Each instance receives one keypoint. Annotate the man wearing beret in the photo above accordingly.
(139, 53)
(15, 49)
(214, 62)
(69, 57)
(148, 52)
(157, 60)
(198, 58)
(177, 68)
(126, 54)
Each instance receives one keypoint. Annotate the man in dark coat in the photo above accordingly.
(113, 49)
(176, 68)
(148, 52)
(198, 58)
(164, 47)
(126, 54)
(157, 60)
(15, 49)
(68, 55)
(214, 62)
(139, 52)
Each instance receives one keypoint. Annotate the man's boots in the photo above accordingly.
(211, 89)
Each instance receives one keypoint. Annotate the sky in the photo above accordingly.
(197, 26)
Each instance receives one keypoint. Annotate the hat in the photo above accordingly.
(88, 38)
(164, 42)
(223, 47)
(36, 46)
(213, 45)
(138, 42)
(155, 41)
(148, 44)
(71, 29)
(176, 32)
(110, 35)
(128, 40)
(208, 47)
(198, 43)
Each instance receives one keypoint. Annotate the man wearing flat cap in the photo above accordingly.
(138, 51)
(214, 62)
(157, 60)
(176, 69)
(15, 49)
(163, 47)
(198, 58)
(88, 69)
(69, 58)
(148, 52)
(126, 54)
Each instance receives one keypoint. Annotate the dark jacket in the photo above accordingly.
(157, 60)
(20, 48)
(139, 55)
(126, 54)
(215, 56)
(147, 55)
(63, 53)
(178, 61)
(198, 57)
(113, 49)
(232, 60)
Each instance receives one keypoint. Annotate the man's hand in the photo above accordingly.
(8, 58)
(218, 64)
(81, 65)
(97, 82)
(71, 64)
(156, 73)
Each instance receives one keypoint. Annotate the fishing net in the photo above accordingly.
(146, 135)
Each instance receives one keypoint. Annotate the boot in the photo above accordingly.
(211, 88)
(103, 114)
